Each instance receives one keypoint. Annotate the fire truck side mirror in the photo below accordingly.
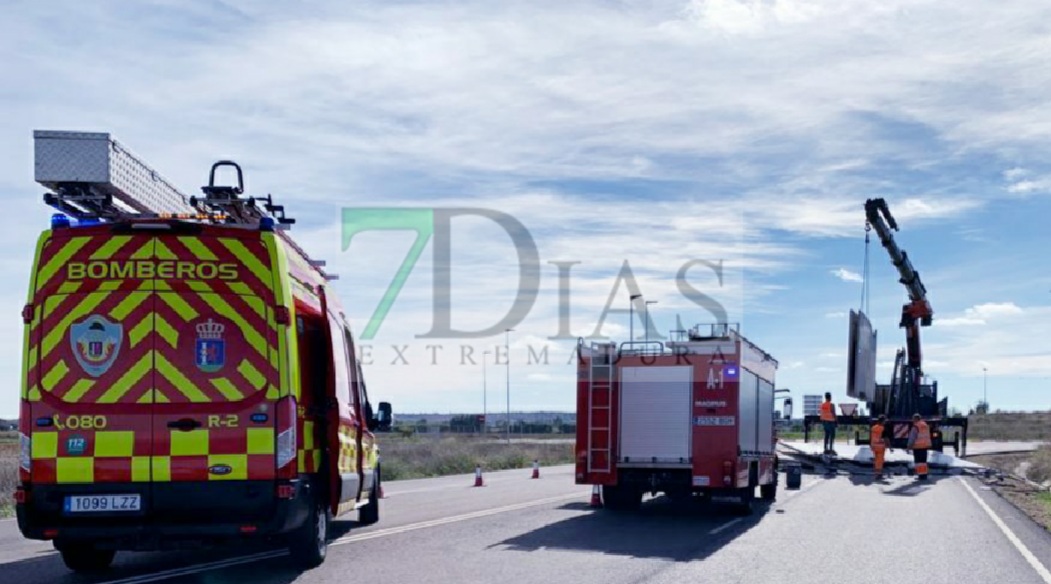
(384, 417)
(787, 409)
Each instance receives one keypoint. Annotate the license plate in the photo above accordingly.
(102, 503)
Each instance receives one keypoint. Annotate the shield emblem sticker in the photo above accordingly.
(96, 343)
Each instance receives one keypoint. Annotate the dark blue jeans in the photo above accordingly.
(830, 434)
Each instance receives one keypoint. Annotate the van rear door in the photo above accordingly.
(89, 373)
(216, 378)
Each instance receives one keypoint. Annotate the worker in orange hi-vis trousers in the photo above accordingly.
(920, 443)
(878, 443)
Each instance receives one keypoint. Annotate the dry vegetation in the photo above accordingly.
(1010, 426)
(418, 456)
(8, 473)
(1021, 471)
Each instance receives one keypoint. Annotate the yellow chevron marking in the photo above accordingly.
(59, 260)
(110, 248)
(160, 397)
(227, 388)
(34, 393)
(132, 301)
(249, 260)
(161, 251)
(55, 375)
(198, 249)
(176, 378)
(166, 331)
(79, 389)
(147, 397)
(251, 374)
(251, 335)
(126, 381)
(55, 335)
(145, 252)
(140, 331)
(180, 306)
(70, 287)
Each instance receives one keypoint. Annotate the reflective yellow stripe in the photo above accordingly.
(140, 331)
(192, 443)
(34, 393)
(251, 374)
(249, 260)
(126, 381)
(55, 375)
(45, 445)
(180, 306)
(79, 389)
(287, 348)
(161, 251)
(130, 302)
(260, 441)
(198, 249)
(181, 383)
(69, 287)
(147, 397)
(162, 469)
(227, 388)
(140, 469)
(59, 260)
(238, 464)
(166, 331)
(75, 470)
(113, 443)
(111, 247)
(308, 435)
(145, 252)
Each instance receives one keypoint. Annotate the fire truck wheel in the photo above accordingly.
(309, 543)
(621, 498)
(768, 492)
(85, 557)
(370, 513)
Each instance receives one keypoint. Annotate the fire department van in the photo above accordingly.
(189, 378)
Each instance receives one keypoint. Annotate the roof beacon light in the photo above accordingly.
(59, 220)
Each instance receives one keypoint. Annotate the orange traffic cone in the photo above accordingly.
(536, 469)
(596, 497)
(478, 476)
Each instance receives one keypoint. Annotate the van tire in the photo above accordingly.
(85, 557)
(369, 514)
(309, 543)
(768, 492)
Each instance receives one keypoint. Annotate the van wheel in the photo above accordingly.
(370, 513)
(746, 506)
(768, 492)
(85, 557)
(309, 543)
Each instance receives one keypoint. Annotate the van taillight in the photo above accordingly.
(728, 470)
(286, 437)
(21, 496)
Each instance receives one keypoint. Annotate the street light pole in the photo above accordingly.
(631, 316)
(649, 323)
(985, 388)
(485, 391)
(507, 346)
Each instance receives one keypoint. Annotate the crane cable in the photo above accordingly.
(865, 296)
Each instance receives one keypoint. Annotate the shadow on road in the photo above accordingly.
(678, 531)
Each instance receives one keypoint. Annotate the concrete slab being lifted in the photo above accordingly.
(852, 453)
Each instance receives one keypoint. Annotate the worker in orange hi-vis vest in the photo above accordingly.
(828, 421)
(919, 444)
(878, 442)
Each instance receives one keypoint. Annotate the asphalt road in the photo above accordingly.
(516, 529)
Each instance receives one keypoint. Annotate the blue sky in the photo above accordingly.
(649, 131)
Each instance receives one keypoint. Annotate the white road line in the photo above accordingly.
(157, 576)
(726, 525)
(1011, 537)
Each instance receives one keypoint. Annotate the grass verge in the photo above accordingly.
(8, 477)
(1032, 500)
(419, 457)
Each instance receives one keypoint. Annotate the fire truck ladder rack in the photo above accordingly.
(600, 410)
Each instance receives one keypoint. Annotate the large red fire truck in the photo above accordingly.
(686, 417)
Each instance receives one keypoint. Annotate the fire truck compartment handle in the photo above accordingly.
(184, 424)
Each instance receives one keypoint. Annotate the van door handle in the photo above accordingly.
(185, 424)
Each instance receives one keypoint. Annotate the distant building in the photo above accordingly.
(812, 404)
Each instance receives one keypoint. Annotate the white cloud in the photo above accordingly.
(835, 315)
(982, 314)
(847, 275)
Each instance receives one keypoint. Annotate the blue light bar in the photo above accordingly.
(58, 221)
(266, 224)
